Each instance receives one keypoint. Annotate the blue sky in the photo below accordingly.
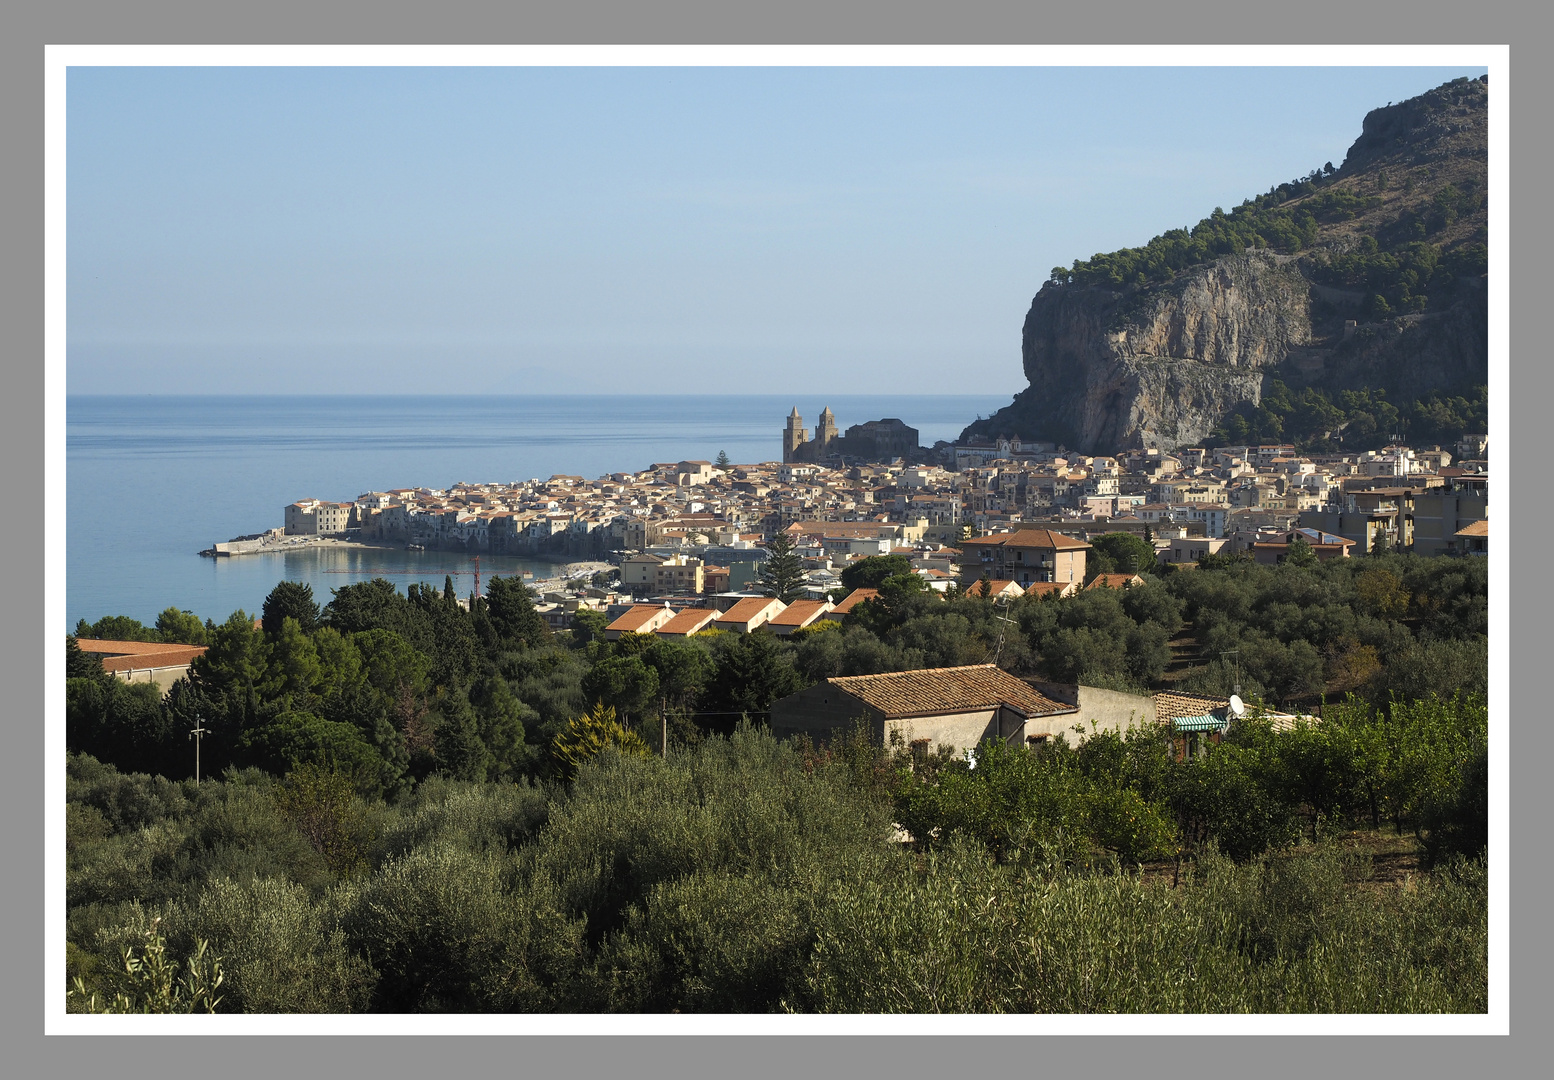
(652, 230)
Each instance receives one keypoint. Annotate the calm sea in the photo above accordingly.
(153, 480)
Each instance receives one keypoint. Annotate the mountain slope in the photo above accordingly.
(1365, 278)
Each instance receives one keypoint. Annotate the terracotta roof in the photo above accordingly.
(635, 618)
(1043, 588)
(1114, 581)
(1031, 538)
(749, 608)
(171, 656)
(936, 691)
(688, 621)
(127, 648)
(1478, 528)
(801, 613)
(1172, 706)
(838, 529)
(853, 599)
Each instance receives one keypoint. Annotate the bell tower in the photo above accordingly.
(793, 436)
(825, 433)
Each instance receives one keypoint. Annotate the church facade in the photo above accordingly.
(874, 441)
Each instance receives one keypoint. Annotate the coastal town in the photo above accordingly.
(676, 532)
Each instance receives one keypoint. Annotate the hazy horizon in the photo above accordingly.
(637, 231)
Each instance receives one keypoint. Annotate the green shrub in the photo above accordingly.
(278, 949)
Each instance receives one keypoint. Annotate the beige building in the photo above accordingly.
(797, 615)
(1189, 549)
(954, 707)
(639, 619)
(680, 574)
(1440, 513)
(143, 661)
(313, 517)
(1026, 556)
(690, 621)
(750, 614)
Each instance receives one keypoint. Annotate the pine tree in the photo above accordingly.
(782, 575)
(511, 611)
(722, 461)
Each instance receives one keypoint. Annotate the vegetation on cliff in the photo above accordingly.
(1367, 278)
(1403, 234)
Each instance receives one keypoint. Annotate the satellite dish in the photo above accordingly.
(1237, 706)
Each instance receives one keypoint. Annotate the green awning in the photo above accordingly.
(1198, 723)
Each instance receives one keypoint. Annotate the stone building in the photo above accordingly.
(957, 707)
(873, 440)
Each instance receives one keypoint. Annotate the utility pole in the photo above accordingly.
(1236, 688)
(663, 718)
(999, 651)
(196, 733)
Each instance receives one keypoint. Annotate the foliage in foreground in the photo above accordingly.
(1299, 933)
(744, 875)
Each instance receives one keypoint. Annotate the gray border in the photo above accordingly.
(708, 22)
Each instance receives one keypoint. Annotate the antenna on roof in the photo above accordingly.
(1235, 689)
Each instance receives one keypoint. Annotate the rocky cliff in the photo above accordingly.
(1370, 275)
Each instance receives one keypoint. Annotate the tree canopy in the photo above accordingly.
(782, 574)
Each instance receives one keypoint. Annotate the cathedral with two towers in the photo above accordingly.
(875, 441)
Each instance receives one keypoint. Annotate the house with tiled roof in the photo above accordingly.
(1324, 545)
(997, 589)
(750, 614)
(797, 615)
(1193, 721)
(687, 622)
(639, 619)
(1043, 589)
(850, 601)
(1115, 581)
(957, 707)
(144, 661)
(1023, 556)
(1472, 540)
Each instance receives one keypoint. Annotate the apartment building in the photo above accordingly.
(314, 517)
(1023, 557)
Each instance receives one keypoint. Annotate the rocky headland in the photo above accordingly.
(1369, 275)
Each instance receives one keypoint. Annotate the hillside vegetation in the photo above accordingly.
(422, 808)
(1367, 279)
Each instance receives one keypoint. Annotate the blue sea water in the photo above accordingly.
(153, 480)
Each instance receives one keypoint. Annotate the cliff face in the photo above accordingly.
(1115, 366)
(1165, 371)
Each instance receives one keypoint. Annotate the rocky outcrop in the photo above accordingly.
(1111, 368)
(1108, 370)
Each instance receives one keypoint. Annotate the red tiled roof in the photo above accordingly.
(748, 608)
(1044, 539)
(801, 613)
(688, 621)
(1114, 581)
(635, 618)
(853, 599)
(937, 691)
(179, 656)
(1175, 706)
(1478, 528)
(127, 648)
